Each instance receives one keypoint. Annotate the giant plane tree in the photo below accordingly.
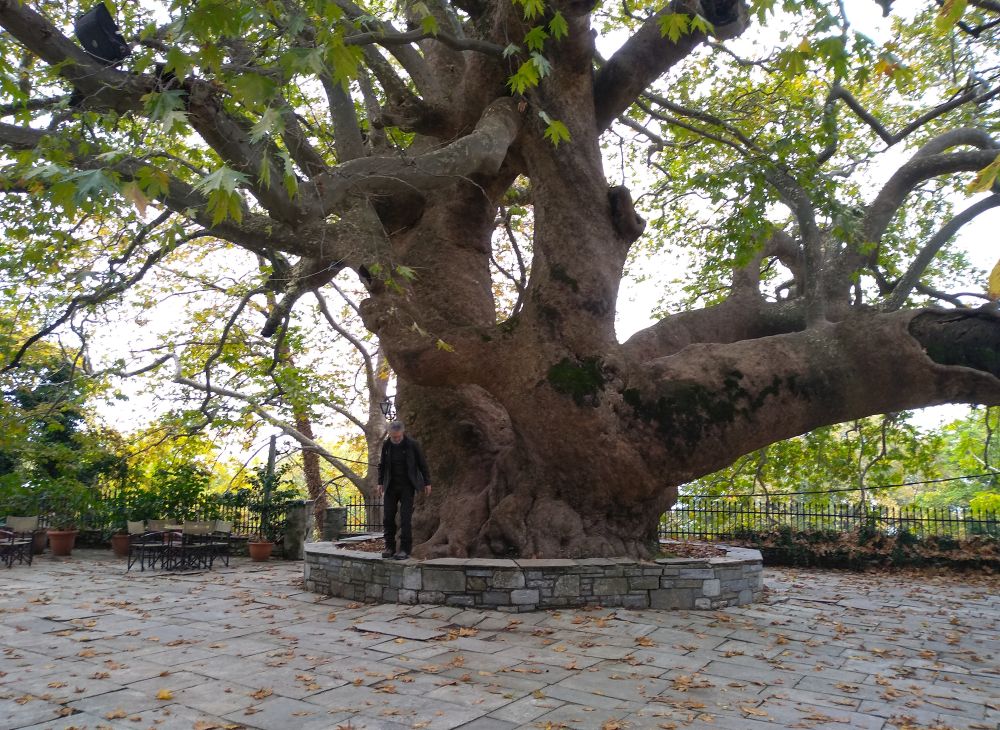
(815, 172)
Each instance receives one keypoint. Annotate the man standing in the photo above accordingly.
(402, 472)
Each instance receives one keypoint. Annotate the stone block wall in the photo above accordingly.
(528, 585)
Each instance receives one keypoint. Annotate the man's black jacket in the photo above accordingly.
(416, 465)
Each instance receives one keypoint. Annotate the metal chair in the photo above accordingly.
(221, 540)
(144, 546)
(17, 538)
(191, 549)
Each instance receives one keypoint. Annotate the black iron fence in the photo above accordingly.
(247, 519)
(706, 519)
(694, 517)
(361, 517)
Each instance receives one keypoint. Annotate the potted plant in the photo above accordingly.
(260, 548)
(273, 493)
(63, 499)
(119, 519)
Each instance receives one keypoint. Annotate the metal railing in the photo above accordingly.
(698, 518)
(701, 519)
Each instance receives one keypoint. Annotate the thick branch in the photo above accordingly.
(482, 151)
(923, 259)
(929, 162)
(647, 55)
(711, 403)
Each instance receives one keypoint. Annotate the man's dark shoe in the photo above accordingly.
(387, 554)
(401, 555)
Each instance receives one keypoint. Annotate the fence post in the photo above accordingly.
(333, 523)
(297, 524)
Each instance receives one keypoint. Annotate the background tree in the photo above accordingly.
(325, 136)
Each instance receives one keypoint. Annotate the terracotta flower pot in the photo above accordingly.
(62, 541)
(260, 551)
(119, 545)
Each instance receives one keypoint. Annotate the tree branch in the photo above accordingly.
(482, 151)
(647, 55)
(929, 162)
(267, 416)
(926, 255)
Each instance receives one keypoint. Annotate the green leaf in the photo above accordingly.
(701, 23)
(429, 24)
(406, 272)
(167, 108)
(542, 64)
(270, 122)
(533, 8)
(442, 345)
(949, 14)
(534, 39)
(178, 62)
(223, 198)
(558, 26)
(343, 62)
(526, 78)
(674, 25)
(252, 89)
(511, 49)
(556, 132)
(985, 178)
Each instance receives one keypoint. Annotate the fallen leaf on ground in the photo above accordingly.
(164, 694)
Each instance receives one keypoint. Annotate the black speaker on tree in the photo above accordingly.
(98, 34)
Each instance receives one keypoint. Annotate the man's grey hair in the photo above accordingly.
(397, 426)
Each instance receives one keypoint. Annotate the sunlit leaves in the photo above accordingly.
(950, 13)
(526, 77)
(674, 25)
(555, 131)
(252, 89)
(993, 284)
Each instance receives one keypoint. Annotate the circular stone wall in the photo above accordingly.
(526, 585)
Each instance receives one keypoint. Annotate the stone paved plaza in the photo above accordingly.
(86, 645)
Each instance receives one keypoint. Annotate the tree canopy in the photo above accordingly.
(449, 157)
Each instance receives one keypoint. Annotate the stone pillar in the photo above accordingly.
(334, 522)
(297, 527)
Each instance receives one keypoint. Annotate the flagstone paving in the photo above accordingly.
(84, 644)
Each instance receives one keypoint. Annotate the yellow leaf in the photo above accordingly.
(984, 178)
(132, 192)
(164, 694)
(993, 288)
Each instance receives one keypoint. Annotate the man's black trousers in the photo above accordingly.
(399, 496)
